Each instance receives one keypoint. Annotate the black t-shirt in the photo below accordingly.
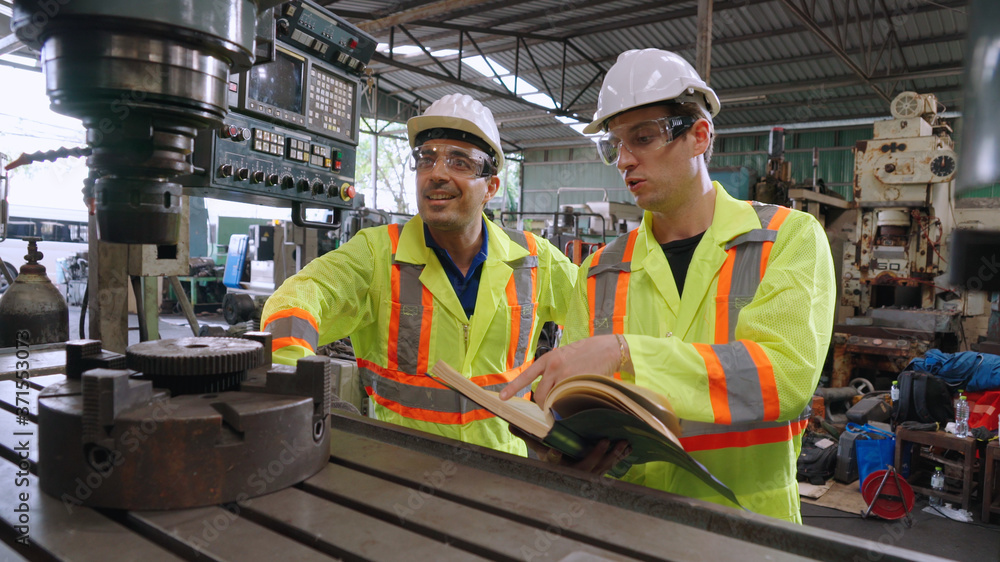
(679, 253)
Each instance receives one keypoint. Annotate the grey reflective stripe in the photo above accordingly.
(525, 262)
(605, 267)
(755, 235)
(443, 400)
(746, 273)
(411, 315)
(765, 212)
(746, 400)
(744, 282)
(694, 429)
(606, 275)
(525, 289)
(293, 327)
(517, 236)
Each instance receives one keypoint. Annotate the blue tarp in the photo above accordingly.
(975, 372)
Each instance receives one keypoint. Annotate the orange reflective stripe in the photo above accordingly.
(621, 289)
(515, 321)
(592, 290)
(294, 312)
(279, 343)
(768, 386)
(779, 217)
(762, 436)
(501, 378)
(453, 418)
(429, 382)
(423, 354)
(722, 298)
(393, 237)
(716, 383)
(391, 349)
(399, 376)
(529, 239)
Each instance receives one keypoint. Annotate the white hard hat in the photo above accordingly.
(463, 114)
(645, 76)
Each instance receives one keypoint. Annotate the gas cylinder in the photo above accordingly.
(32, 306)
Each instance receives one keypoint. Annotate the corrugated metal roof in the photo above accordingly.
(768, 66)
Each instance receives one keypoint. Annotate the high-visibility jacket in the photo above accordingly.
(388, 291)
(739, 355)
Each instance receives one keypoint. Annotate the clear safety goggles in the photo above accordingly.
(459, 162)
(641, 138)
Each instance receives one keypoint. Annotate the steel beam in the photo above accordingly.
(703, 52)
(937, 6)
(813, 26)
(420, 12)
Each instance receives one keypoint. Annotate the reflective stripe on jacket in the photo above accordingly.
(389, 292)
(739, 355)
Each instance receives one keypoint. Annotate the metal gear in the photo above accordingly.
(195, 365)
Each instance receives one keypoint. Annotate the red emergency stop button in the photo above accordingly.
(346, 191)
(352, 43)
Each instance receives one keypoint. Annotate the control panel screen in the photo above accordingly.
(278, 83)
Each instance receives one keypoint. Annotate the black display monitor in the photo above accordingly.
(279, 83)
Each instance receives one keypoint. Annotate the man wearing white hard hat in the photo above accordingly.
(446, 285)
(723, 306)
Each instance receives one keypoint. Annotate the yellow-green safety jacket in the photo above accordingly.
(387, 290)
(739, 355)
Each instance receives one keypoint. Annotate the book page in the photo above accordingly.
(524, 414)
(653, 408)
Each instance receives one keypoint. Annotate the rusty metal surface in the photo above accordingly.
(195, 365)
(658, 511)
(187, 451)
(134, 446)
(220, 533)
(45, 359)
(394, 494)
(431, 485)
(79, 533)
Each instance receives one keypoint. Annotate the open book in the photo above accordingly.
(581, 410)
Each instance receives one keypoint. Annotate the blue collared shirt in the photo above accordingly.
(466, 286)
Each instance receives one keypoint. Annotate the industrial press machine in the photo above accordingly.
(891, 298)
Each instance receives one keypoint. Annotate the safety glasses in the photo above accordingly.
(459, 162)
(641, 138)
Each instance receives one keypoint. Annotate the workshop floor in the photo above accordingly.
(930, 534)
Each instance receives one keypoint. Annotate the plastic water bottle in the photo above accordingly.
(937, 483)
(894, 392)
(962, 418)
(958, 398)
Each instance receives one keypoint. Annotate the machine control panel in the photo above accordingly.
(265, 162)
(325, 35)
(292, 132)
